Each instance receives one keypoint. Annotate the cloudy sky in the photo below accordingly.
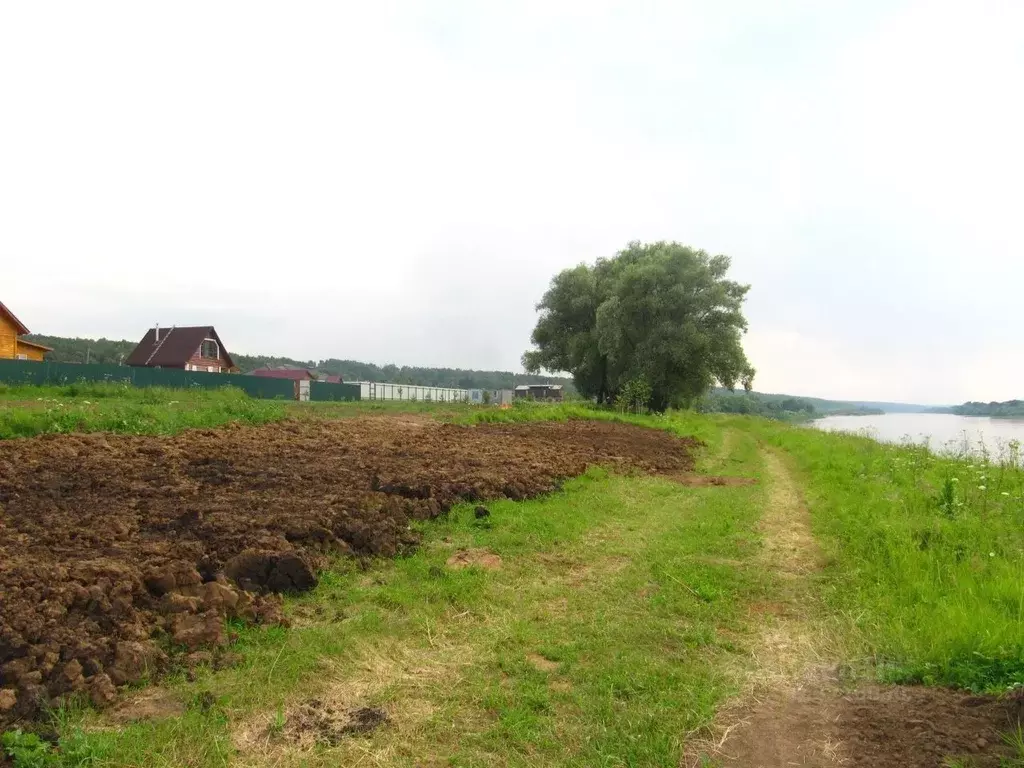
(398, 181)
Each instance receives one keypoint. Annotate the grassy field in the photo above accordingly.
(27, 410)
(625, 612)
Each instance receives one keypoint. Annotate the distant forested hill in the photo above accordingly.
(785, 407)
(834, 407)
(68, 350)
(1009, 409)
(74, 350)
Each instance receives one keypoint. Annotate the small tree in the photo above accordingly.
(634, 396)
(487, 397)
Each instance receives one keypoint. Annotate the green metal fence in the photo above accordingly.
(29, 372)
(322, 390)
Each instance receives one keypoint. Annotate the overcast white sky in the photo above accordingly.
(399, 181)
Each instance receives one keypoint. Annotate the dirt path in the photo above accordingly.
(782, 719)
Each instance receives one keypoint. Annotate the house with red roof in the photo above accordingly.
(295, 374)
(192, 348)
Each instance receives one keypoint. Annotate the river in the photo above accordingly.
(944, 433)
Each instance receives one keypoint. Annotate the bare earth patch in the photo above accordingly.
(544, 665)
(151, 704)
(704, 481)
(481, 558)
(399, 680)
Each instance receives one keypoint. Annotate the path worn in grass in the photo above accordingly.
(781, 719)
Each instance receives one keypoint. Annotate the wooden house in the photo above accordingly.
(12, 346)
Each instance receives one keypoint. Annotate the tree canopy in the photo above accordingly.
(661, 313)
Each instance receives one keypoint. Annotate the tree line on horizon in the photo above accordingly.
(1008, 409)
(113, 352)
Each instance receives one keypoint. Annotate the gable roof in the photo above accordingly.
(27, 343)
(295, 374)
(18, 325)
(177, 346)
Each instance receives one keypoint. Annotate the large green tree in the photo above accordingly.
(661, 312)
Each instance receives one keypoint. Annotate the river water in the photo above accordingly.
(944, 433)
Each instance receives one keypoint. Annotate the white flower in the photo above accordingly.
(955, 479)
(981, 487)
(991, 554)
(1006, 493)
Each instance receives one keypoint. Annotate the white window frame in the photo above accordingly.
(215, 344)
(21, 356)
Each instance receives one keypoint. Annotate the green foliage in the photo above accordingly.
(1010, 409)
(27, 750)
(634, 396)
(102, 407)
(76, 350)
(755, 404)
(663, 311)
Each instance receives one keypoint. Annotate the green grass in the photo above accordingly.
(926, 555)
(606, 636)
(27, 411)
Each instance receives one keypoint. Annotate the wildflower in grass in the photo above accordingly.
(981, 487)
(991, 554)
(1006, 493)
(955, 479)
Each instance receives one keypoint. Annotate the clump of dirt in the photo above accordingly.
(815, 723)
(323, 724)
(918, 727)
(114, 547)
(481, 558)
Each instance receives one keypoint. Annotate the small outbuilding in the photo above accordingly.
(192, 348)
(292, 374)
(547, 392)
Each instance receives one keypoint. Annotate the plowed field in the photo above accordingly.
(112, 547)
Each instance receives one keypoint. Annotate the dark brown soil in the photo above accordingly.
(916, 727)
(878, 726)
(115, 549)
(327, 725)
